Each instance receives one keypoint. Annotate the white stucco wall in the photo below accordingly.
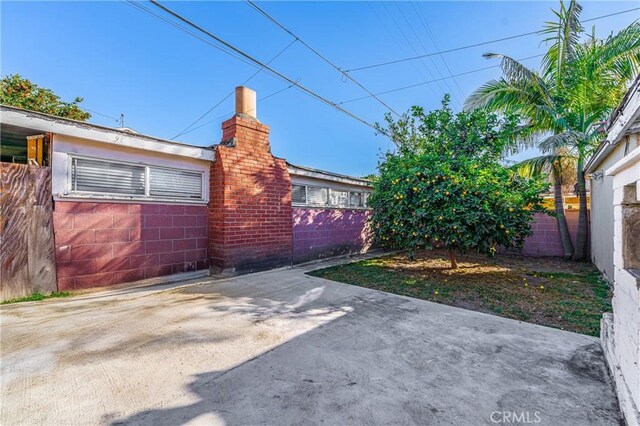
(622, 338)
(64, 145)
(602, 209)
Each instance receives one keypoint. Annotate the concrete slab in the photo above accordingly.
(285, 348)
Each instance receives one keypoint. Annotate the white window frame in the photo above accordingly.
(364, 195)
(298, 203)
(72, 193)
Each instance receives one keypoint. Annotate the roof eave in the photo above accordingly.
(57, 125)
(623, 119)
(326, 175)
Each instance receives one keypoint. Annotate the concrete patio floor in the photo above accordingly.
(282, 347)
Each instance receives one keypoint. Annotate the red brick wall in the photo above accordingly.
(102, 244)
(250, 223)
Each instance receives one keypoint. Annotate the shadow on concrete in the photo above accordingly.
(393, 360)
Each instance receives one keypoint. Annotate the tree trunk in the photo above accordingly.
(583, 225)
(565, 237)
(452, 258)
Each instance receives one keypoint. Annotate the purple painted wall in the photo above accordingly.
(320, 233)
(545, 240)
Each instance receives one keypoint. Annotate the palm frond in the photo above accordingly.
(567, 140)
(564, 36)
(537, 166)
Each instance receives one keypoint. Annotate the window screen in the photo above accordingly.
(173, 183)
(106, 177)
(355, 199)
(298, 194)
(317, 195)
(339, 198)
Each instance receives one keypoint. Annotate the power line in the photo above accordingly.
(484, 43)
(395, 40)
(423, 19)
(263, 65)
(185, 30)
(104, 115)
(415, 51)
(435, 80)
(320, 55)
(231, 112)
(435, 67)
(233, 91)
(138, 6)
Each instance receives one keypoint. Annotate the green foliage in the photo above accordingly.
(37, 296)
(21, 93)
(581, 80)
(446, 187)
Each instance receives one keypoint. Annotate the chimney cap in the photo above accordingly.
(246, 102)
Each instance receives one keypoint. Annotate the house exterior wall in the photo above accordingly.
(320, 233)
(620, 333)
(103, 241)
(102, 244)
(65, 146)
(602, 209)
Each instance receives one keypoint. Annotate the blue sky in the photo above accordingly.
(122, 60)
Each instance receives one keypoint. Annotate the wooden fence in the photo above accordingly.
(27, 256)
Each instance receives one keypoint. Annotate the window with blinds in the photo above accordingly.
(339, 198)
(102, 177)
(173, 183)
(298, 194)
(323, 196)
(317, 195)
(107, 178)
(355, 199)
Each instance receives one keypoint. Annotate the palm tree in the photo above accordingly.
(555, 165)
(566, 102)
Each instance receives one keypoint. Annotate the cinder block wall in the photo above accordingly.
(319, 233)
(250, 222)
(102, 244)
(545, 240)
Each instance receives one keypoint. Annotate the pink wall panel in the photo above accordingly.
(103, 244)
(320, 233)
(545, 240)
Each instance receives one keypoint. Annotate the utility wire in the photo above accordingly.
(320, 55)
(231, 112)
(117, 120)
(423, 19)
(263, 65)
(435, 80)
(455, 49)
(435, 67)
(233, 91)
(136, 5)
(400, 46)
(430, 75)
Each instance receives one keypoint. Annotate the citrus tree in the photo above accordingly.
(446, 187)
(20, 92)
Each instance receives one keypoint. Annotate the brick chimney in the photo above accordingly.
(250, 216)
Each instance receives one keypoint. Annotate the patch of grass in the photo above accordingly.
(545, 291)
(37, 296)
